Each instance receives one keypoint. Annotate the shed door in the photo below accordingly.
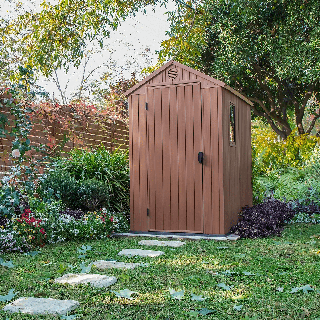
(174, 179)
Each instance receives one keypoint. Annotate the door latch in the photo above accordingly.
(200, 157)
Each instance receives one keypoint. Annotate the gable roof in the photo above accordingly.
(186, 68)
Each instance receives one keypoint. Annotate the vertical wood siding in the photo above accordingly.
(237, 164)
(184, 119)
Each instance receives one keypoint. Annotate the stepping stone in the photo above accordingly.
(174, 244)
(102, 264)
(96, 280)
(140, 252)
(41, 306)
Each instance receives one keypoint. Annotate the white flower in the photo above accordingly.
(16, 153)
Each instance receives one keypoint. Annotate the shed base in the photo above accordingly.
(176, 235)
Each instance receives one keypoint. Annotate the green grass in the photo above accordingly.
(289, 261)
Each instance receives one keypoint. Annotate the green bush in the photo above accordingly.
(90, 180)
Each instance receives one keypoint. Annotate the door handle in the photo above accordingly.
(200, 157)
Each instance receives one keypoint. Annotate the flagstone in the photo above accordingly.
(174, 244)
(140, 252)
(41, 306)
(96, 280)
(103, 264)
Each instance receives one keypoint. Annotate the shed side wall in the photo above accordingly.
(237, 159)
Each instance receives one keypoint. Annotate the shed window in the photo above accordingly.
(232, 124)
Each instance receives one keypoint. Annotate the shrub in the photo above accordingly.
(89, 194)
(263, 220)
(270, 153)
(90, 180)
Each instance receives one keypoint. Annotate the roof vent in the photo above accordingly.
(173, 73)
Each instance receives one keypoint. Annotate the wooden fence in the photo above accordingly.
(90, 134)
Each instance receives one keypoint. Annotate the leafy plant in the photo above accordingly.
(90, 180)
(263, 220)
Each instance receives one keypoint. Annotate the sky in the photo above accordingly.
(129, 49)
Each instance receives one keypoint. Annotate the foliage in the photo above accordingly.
(112, 101)
(86, 194)
(283, 168)
(18, 182)
(30, 228)
(263, 220)
(57, 35)
(269, 51)
(269, 153)
(11, 241)
(93, 225)
(86, 178)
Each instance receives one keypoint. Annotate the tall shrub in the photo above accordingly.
(89, 175)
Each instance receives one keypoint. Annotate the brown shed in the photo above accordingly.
(190, 152)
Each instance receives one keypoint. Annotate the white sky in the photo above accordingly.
(125, 47)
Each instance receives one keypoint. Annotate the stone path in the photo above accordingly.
(62, 307)
(174, 244)
(96, 280)
(102, 265)
(140, 252)
(41, 306)
(179, 236)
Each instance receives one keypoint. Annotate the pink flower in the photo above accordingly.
(42, 231)
(111, 219)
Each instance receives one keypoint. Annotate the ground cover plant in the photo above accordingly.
(270, 278)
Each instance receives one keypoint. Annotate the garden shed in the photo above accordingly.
(190, 152)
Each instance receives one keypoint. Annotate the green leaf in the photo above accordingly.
(227, 272)
(205, 311)
(8, 264)
(84, 249)
(305, 289)
(193, 313)
(248, 273)
(85, 269)
(238, 307)
(224, 286)
(197, 298)
(32, 253)
(62, 268)
(9, 296)
(126, 293)
(176, 294)
(69, 317)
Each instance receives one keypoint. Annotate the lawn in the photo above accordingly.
(271, 278)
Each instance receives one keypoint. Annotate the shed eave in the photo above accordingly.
(197, 73)
(148, 78)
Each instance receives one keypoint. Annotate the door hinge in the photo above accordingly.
(146, 105)
(148, 212)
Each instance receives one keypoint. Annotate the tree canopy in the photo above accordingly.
(57, 36)
(268, 50)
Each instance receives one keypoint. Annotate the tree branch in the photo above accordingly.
(299, 111)
(282, 133)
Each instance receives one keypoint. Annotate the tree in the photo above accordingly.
(269, 50)
(57, 36)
